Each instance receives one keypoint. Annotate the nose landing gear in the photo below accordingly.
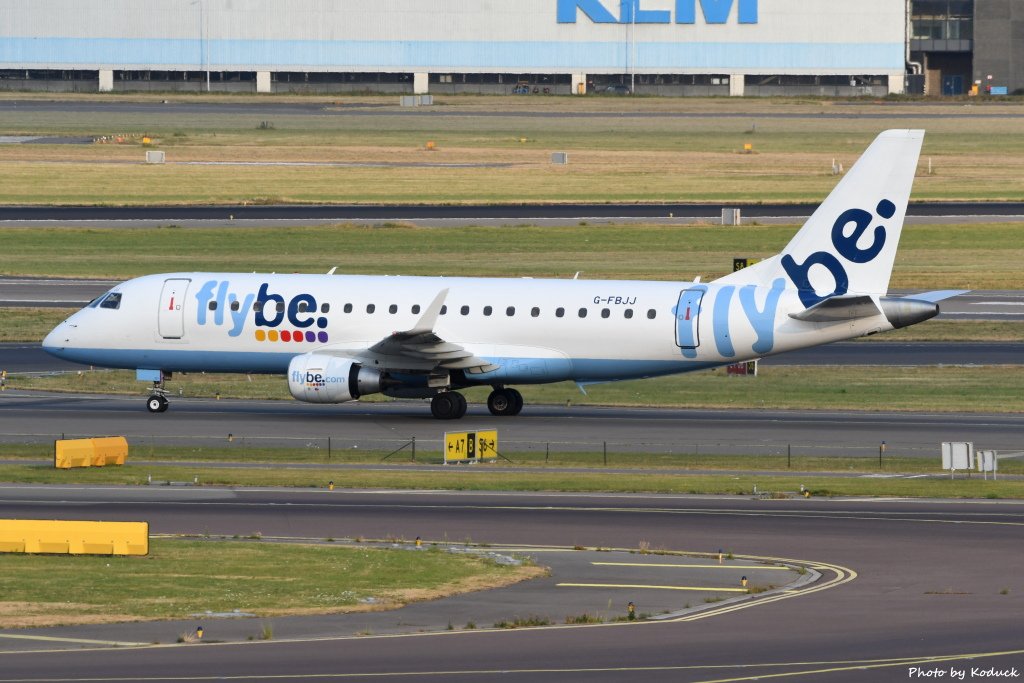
(157, 401)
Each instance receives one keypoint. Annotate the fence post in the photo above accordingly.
(547, 452)
(605, 453)
(414, 449)
(328, 449)
(789, 456)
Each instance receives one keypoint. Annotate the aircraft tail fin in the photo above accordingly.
(848, 245)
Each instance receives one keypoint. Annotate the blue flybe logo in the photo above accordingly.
(630, 12)
(847, 245)
(275, 318)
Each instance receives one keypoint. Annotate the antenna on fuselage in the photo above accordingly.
(577, 275)
(331, 271)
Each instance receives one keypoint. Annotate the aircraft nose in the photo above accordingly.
(58, 338)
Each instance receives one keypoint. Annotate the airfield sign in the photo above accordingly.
(470, 446)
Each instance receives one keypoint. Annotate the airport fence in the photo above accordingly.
(342, 449)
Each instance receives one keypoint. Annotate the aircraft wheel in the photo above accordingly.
(517, 399)
(445, 406)
(460, 405)
(505, 402)
(157, 404)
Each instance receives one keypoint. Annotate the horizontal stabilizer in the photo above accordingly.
(941, 295)
(839, 309)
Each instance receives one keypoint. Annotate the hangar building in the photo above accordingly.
(665, 47)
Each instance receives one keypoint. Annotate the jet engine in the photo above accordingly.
(322, 378)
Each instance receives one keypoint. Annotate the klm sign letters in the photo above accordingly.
(714, 12)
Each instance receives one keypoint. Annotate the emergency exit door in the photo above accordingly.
(171, 319)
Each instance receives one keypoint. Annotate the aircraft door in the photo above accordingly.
(688, 317)
(171, 319)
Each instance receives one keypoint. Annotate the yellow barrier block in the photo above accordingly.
(111, 450)
(73, 453)
(69, 453)
(74, 537)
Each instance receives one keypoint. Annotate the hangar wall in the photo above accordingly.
(744, 41)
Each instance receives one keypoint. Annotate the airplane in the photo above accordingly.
(341, 337)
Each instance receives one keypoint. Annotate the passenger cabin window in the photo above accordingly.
(258, 306)
(415, 308)
(370, 308)
(213, 306)
(651, 313)
(605, 313)
(534, 312)
(488, 310)
(464, 310)
(444, 310)
(280, 307)
(111, 301)
(303, 307)
(510, 311)
(235, 305)
(628, 313)
(559, 312)
(325, 308)
(583, 313)
(347, 308)
(393, 308)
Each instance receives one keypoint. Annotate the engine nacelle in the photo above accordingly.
(320, 378)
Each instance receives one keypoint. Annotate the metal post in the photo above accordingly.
(547, 452)
(605, 453)
(328, 449)
(789, 456)
(414, 449)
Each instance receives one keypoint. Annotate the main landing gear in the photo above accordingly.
(505, 402)
(451, 405)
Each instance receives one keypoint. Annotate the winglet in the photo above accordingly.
(429, 318)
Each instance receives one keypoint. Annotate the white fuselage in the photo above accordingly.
(535, 331)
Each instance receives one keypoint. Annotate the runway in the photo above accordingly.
(27, 417)
(924, 584)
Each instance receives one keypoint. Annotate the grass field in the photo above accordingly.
(972, 256)
(986, 389)
(484, 478)
(497, 149)
(181, 578)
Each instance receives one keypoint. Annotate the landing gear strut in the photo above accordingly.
(504, 402)
(450, 405)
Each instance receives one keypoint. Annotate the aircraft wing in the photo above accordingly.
(421, 348)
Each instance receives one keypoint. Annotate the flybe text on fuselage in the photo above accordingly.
(218, 305)
(630, 12)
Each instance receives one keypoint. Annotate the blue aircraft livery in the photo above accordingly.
(269, 310)
(630, 12)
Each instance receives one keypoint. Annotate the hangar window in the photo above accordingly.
(111, 301)
(583, 313)
(370, 308)
(347, 308)
(559, 312)
(534, 312)
(488, 310)
(464, 310)
(605, 313)
(393, 308)
(510, 311)
(651, 314)
(415, 309)
(628, 313)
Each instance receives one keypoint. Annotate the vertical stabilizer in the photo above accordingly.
(848, 245)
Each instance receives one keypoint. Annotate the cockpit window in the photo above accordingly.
(112, 300)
